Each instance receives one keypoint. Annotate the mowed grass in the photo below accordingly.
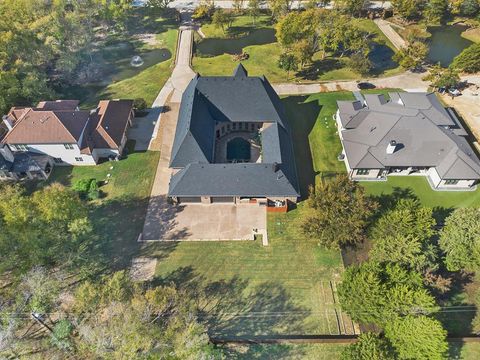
(263, 59)
(285, 351)
(118, 216)
(246, 289)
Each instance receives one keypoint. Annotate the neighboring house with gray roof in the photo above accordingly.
(408, 134)
(232, 143)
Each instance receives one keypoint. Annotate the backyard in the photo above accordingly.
(107, 71)
(213, 54)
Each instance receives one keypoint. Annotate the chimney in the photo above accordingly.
(275, 167)
(6, 153)
(392, 145)
(7, 122)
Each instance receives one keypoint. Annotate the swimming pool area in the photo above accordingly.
(238, 150)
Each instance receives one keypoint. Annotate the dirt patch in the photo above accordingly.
(143, 268)
(472, 34)
(149, 39)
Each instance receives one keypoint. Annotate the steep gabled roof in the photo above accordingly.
(208, 101)
(47, 127)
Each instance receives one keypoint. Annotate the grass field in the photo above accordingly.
(264, 52)
(111, 55)
(244, 288)
(119, 215)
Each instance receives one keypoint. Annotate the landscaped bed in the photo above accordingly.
(213, 54)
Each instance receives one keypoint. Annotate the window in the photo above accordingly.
(78, 159)
(58, 160)
(68, 146)
(20, 147)
(363, 172)
(451, 182)
(234, 126)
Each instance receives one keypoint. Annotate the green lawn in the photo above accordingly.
(286, 352)
(119, 215)
(263, 54)
(244, 288)
(110, 59)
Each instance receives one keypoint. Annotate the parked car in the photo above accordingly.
(365, 86)
(454, 92)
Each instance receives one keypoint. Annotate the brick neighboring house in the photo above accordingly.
(408, 134)
(70, 136)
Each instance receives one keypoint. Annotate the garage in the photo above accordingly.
(222, 199)
(189, 199)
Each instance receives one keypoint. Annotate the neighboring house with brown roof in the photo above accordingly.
(406, 134)
(69, 135)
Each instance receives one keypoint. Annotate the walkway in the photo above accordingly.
(390, 33)
(408, 81)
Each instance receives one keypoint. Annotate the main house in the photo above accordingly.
(407, 134)
(58, 131)
(232, 143)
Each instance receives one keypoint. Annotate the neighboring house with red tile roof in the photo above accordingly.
(69, 135)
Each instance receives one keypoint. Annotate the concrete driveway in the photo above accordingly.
(195, 222)
(142, 129)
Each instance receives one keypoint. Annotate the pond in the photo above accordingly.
(446, 42)
(217, 46)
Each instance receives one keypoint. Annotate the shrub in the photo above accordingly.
(82, 186)
(139, 104)
(93, 191)
(468, 60)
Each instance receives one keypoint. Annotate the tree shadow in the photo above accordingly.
(238, 308)
(458, 320)
(160, 220)
(319, 67)
(301, 117)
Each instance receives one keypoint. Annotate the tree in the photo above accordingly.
(222, 19)
(238, 6)
(440, 77)
(436, 10)
(296, 32)
(254, 9)
(408, 9)
(470, 8)
(158, 322)
(204, 11)
(288, 62)
(334, 201)
(412, 56)
(350, 7)
(417, 338)
(278, 8)
(360, 63)
(158, 5)
(375, 293)
(468, 60)
(460, 240)
(369, 346)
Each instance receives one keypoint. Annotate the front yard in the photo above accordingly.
(213, 55)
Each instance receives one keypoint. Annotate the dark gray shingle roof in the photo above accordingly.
(238, 98)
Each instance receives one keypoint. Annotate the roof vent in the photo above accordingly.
(392, 145)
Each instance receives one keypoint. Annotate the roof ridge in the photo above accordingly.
(101, 123)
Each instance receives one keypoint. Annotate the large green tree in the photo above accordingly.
(369, 346)
(408, 9)
(375, 293)
(468, 60)
(460, 240)
(337, 212)
(417, 337)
